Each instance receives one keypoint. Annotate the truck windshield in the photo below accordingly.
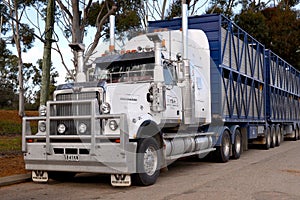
(125, 71)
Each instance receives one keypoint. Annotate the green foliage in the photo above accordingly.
(127, 15)
(224, 7)
(36, 77)
(25, 32)
(278, 28)
(8, 69)
(254, 23)
(175, 10)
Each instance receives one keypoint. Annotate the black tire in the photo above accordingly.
(222, 152)
(267, 145)
(148, 151)
(237, 146)
(278, 136)
(62, 176)
(296, 134)
(273, 137)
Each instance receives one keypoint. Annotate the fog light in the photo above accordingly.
(82, 128)
(42, 126)
(61, 128)
(105, 108)
(42, 110)
(113, 125)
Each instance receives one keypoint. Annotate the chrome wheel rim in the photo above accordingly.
(238, 144)
(226, 146)
(150, 161)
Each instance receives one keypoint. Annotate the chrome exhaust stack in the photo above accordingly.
(188, 108)
(112, 33)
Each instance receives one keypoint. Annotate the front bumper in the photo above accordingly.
(97, 152)
(107, 158)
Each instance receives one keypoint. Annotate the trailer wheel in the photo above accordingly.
(273, 137)
(223, 151)
(278, 135)
(237, 146)
(268, 139)
(296, 134)
(148, 162)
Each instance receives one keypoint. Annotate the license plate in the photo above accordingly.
(120, 180)
(72, 158)
(39, 176)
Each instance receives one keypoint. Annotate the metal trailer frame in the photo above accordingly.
(283, 91)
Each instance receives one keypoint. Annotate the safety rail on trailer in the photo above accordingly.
(283, 92)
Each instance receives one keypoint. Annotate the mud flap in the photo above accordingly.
(39, 176)
(120, 180)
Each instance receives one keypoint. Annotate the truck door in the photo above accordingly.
(173, 94)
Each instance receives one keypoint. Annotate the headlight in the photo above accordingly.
(113, 125)
(82, 128)
(105, 108)
(61, 129)
(42, 126)
(42, 110)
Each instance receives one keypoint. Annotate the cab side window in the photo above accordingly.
(169, 80)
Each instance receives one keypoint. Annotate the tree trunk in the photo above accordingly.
(16, 36)
(47, 53)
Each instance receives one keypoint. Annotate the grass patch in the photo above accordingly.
(11, 131)
(10, 144)
(11, 123)
(8, 127)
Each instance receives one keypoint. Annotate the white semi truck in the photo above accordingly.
(170, 94)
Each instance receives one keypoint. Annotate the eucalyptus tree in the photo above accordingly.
(20, 36)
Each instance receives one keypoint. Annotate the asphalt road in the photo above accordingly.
(258, 174)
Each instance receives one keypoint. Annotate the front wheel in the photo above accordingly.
(148, 162)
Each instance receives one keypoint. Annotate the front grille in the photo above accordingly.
(77, 96)
(73, 109)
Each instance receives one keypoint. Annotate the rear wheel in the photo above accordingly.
(268, 139)
(273, 137)
(223, 152)
(278, 135)
(237, 146)
(148, 162)
(296, 134)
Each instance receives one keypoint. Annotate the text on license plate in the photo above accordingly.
(72, 157)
